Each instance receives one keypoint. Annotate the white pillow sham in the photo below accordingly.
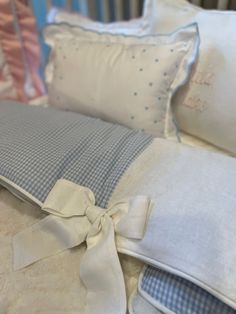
(122, 79)
(206, 106)
(138, 26)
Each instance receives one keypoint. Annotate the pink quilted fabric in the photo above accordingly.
(20, 51)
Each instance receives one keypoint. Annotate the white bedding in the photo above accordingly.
(193, 217)
(51, 285)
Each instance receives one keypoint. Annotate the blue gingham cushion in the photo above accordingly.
(180, 295)
(39, 145)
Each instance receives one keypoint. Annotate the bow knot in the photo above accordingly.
(93, 213)
(74, 219)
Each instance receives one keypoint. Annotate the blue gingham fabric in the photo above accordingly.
(180, 295)
(39, 145)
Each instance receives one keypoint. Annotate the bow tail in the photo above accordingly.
(101, 272)
(48, 237)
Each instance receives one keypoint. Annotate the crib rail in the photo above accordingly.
(112, 10)
(101, 10)
(216, 4)
(108, 10)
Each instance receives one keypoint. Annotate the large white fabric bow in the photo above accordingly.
(74, 219)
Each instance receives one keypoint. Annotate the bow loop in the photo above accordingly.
(68, 199)
(132, 224)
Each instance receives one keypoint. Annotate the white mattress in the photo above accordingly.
(51, 285)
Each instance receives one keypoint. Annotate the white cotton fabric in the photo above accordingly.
(205, 107)
(191, 229)
(138, 27)
(196, 142)
(123, 79)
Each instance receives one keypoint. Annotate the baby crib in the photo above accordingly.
(113, 10)
(108, 10)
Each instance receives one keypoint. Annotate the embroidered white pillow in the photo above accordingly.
(122, 79)
(206, 106)
(138, 26)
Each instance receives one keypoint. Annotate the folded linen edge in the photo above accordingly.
(75, 219)
(172, 270)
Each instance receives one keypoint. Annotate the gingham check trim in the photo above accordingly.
(38, 146)
(180, 295)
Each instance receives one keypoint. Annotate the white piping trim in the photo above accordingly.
(151, 300)
(225, 299)
(16, 190)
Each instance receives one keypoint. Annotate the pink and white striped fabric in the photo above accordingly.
(19, 52)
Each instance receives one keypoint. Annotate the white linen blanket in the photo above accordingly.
(190, 231)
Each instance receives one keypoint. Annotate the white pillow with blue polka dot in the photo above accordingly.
(122, 79)
(206, 106)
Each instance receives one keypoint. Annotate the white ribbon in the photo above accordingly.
(74, 219)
